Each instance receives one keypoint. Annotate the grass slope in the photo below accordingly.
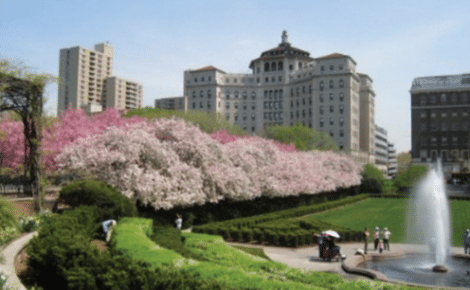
(391, 213)
(225, 264)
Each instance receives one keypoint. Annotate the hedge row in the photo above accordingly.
(249, 222)
(230, 209)
(279, 228)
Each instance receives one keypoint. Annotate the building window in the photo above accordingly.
(303, 90)
(332, 109)
(443, 98)
(341, 109)
(194, 94)
(423, 100)
(194, 105)
(200, 105)
(331, 133)
(227, 105)
(303, 101)
(297, 103)
(266, 67)
(322, 68)
(332, 67)
(340, 66)
(341, 97)
(310, 100)
(291, 104)
(310, 90)
(280, 66)
(321, 85)
(423, 115)
(253, 95)
(310, 112)
(444, 127)
(433, 99)
(341, 133)
(321, 110)
(454, 114)
(245, 94)
(244, 116)
(201, 94)
(235, 117)
(252, 105)
(244, 106)
(464, 98)
(273, 66)
(227, 95)
(253, 116)
(321, 98)
(331, 84)
(341, 122)
(331, 121)
(321, 123)
(341, 83)
(227, 116)
(423, 127)
(208, 104)
(236, 94)
(209, 94)
(291, 115)
(236, 105)
(291, 67)
(331, 97)
(297, 91)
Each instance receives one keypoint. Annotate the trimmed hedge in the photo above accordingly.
(230, 209)
(280, 228)
(111, 202)
(62, 257)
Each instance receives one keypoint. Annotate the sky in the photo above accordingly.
(156, 41)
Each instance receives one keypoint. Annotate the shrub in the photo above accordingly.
(224, 233)
(112, 204)
(373, 180)
(258, 236)
(235, 234)
(7, 214)
(247, 235)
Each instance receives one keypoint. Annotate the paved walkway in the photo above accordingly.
(9, 254)
(306, 258)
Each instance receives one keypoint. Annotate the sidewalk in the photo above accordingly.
(8, 265)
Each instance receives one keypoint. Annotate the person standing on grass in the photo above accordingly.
(107, 227)
(387, 235)
(366, 239)
(376, 238)
(179, 221)
(466, 241)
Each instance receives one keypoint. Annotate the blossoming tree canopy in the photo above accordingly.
(168, 162)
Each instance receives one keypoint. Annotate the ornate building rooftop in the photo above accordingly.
(441, 82)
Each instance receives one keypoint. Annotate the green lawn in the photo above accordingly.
(391, 213)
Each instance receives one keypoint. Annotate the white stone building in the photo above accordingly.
(288, 86)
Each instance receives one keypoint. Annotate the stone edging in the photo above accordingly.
(350, 267)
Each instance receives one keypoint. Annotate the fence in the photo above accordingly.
(14, 190)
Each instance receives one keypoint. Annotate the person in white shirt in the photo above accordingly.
(387, 235)
(179, 221)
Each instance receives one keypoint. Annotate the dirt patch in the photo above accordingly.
(101, 245)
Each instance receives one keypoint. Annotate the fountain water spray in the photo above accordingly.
(428, 219)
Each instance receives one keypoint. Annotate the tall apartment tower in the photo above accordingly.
(85, 81)
(288, 86)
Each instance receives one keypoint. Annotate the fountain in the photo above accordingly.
(428, 235)
(428, 217)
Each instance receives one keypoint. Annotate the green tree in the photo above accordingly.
(373, 180)
(207, 122)
(410, 176)
(23, 93)
(403, 161)
(304, 138)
